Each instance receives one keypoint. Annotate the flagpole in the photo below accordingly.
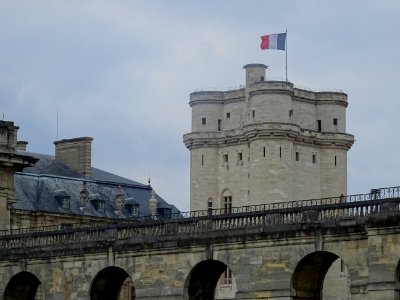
(286, 53)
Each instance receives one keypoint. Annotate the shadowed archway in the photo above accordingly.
(22, 286)
(108, 283)
(203, 279)
(309, 275)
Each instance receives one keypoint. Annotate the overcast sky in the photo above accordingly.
(122, 71)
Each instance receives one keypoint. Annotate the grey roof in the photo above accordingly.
(42, 187)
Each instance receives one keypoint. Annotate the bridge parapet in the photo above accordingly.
(340, 211)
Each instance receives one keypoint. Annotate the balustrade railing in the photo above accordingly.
(379, 201)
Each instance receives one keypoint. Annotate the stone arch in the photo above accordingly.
(203, 279)
(112, 283)
(22, 286)
(309, 274)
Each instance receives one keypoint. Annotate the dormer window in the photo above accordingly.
(63, 199)
(98, 202)
(133, 207)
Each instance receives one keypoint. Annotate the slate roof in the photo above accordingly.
(42, 188)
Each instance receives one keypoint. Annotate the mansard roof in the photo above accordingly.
(37, 189)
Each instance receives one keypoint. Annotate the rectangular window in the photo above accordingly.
(264, 152)
(335, 161)
(254, 113)
(228, 115)
(335, 121)
(228, 277)
(203, 121)
(280, 151)
(228, 204)
(225, 157)
(239, 156)
(319, 125)
(210, 204)
(290, 113)
(202, 160)
(314, 159)
(219, 125)
(297, 156)
(262, 78)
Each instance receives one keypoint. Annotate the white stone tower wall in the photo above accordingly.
(306, 173)
(333, 177)
(233, 176)
(270, 176)
(327, 112)
(203, 177)
(270, 107)
(212, 113)
(304, 115)
(236, 115)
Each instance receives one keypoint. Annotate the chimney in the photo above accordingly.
(76, 153)
(8, 136)
(21, 145)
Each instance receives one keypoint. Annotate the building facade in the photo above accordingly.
(65, 189)
(266, 142)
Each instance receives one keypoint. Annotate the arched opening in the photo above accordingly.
(320, 275)
(203, 279)
(22, 286)
(112, 283)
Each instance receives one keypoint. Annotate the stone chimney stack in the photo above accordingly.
(76, 153)
(21, 145)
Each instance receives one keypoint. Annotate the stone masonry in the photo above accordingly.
(266, 142)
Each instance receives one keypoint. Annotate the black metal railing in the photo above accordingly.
(379, 201)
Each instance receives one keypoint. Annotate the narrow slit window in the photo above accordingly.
(319, 125)
(314, 159)
(203, 121)
(202, 160)
(297, 156)
(219, 125)
(280, 152)
(335, 161)
(254, 113)
(264, 152)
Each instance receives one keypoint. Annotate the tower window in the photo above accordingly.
(210, 204)
(254, 113)
(240, 156)
(225, 158)
(262, 78)
(219, 125)
(228, 115)
(228, 204)
(297, 156)
(335, 161)
(228, 276)
(202, 160)
(290, 113)
(203, 121)
(280, 151)
(264, 152)
(335, 121)
(314, 159)
(319, 126)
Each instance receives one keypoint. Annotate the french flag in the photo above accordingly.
(273, 41)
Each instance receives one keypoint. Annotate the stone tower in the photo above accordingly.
(10, 162)
(266, 142)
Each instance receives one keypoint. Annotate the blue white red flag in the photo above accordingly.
(273, 41)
